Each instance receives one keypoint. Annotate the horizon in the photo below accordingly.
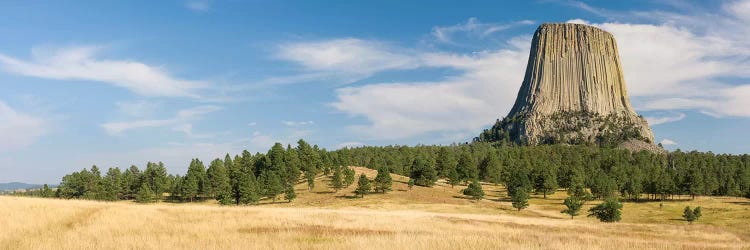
(117, 84)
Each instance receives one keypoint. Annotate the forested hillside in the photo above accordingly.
(247, 178)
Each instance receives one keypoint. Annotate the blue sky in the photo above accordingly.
(121, 83)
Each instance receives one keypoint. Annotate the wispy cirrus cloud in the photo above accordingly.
(652, 120)
(343, 60)
(472, 28)
(84, 64)
(180, 122)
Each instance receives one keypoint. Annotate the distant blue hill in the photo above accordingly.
(17, 185)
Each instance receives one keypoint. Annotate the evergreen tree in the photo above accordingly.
(474, 190)
(518, 179)
(47, 192)
(155, 176)
(293, 165)
(490, 168)
(411, 183)
(310, 176)
(219, 185)
(272, 185)
(336, 180)
(609, 211)
(520, 199)
(112, 182)
(577, 188)
(289, 193)
(131, 182)
(446, 161)
(422, 172)
(194, 182)
(546, 181)
(452, 177)
(383, 180)
(467, 167)
(573, 205)
(145, 194)
(363, 186)
(248, 190)
(92, 183)
(691, 215)
(348, 176)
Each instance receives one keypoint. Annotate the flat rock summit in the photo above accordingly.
(573, 92)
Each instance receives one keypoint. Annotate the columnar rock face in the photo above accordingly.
(573, 92)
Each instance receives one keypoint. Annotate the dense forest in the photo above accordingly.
(247, 178)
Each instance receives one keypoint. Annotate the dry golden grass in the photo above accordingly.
(422, 218)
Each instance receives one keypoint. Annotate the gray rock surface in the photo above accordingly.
(573, 90)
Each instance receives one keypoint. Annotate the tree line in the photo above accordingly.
(603, 172)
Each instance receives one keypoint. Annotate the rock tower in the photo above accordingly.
(573, 92)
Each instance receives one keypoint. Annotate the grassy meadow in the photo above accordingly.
(420, 218)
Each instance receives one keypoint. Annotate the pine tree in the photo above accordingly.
(520, 199)
(348, 176)
(219, 185)
(92, 184)
(691, 215)
(363, 186)
(490, 168)
(518, 179)
(131, 182)
(289, 193)
(609, 211)
(194, 182)
(155, 176)
(573, 205)
(336, 180)
(546, 181)
(467, 167)
(446, 161)
(112, 182)
(145, 194)
(474, 190)
(453, 178)
(248, 189)
(46, 191)
(272, 185)
(577, 187)
(310, 176)
(423, 172)
(383, 180)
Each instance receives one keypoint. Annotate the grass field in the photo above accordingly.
(421, 218)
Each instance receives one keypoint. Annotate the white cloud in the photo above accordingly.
(472, 28)
(668, 142)
(297, 124)
(180, 122)
(739, 9)
(198, 5)
(82, 64)
(18, 130)
(485, 89)
(343, 60)
(352, 144)
(665, 119)
(252, 124)
(667, 66)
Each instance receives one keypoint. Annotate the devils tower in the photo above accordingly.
(573, 92)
